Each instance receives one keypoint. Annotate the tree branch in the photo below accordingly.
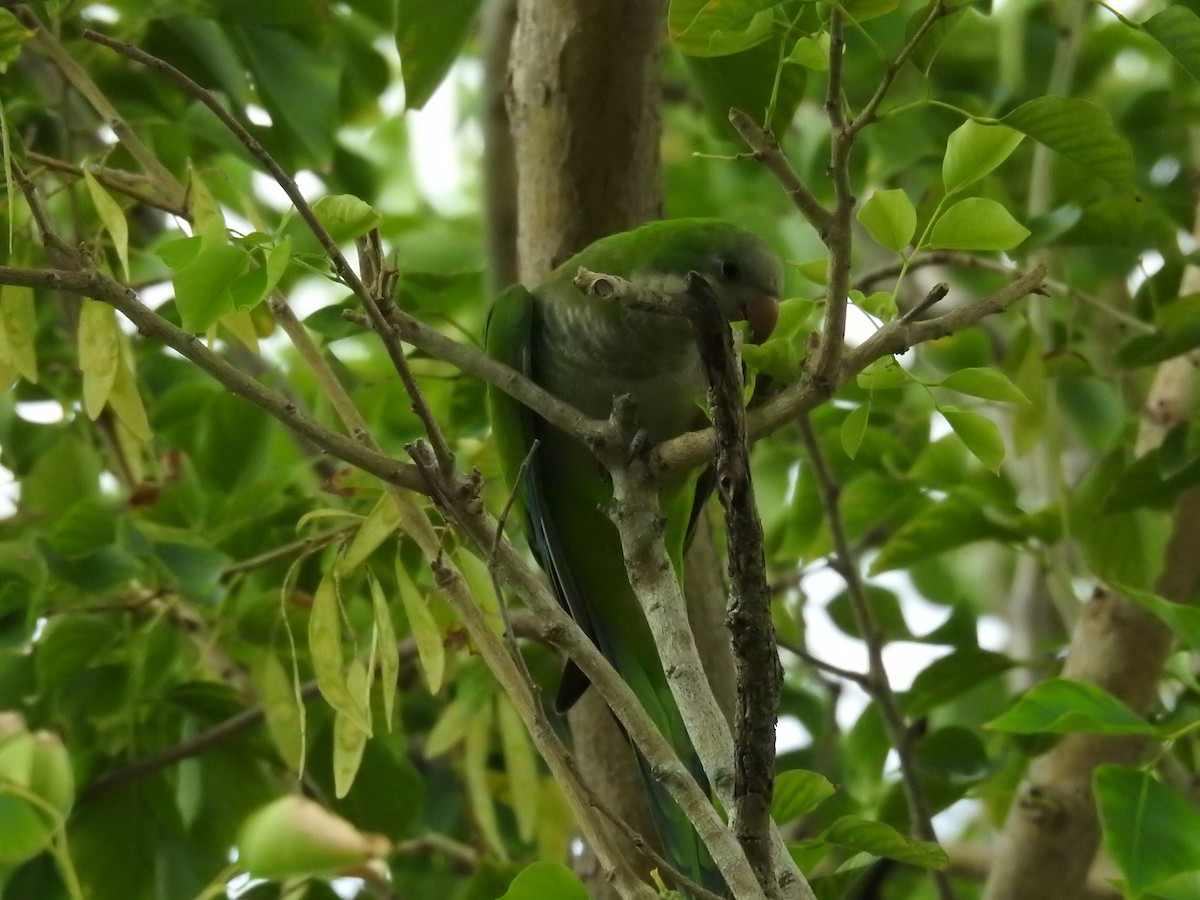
(90, 282)
(759, 674)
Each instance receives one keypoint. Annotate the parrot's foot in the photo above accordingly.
(639, 445)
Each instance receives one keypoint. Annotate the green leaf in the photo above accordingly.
(883, 374)
(1061, 705)
(980, 434)
(1082, 132)
(854, 426)
(349, 735)
(1152, 832)
(885, 609)
(18, 331)
(746, 80)
(541, 880)
(387, 652)
(377, 527)
(779, 357)
(861, 10)
(954, 674)
(880, 839)
(976, 223)
(520, 762)
(431, 651)
(202, 286)
(429, 37)
(814, 270)
(974, 150)
(989, 384)
(959, 519)
(1178, 324)
(719, 27)
(798, 792)
(811, 52)
(285, 717)
(112, 217)
(478, 740)
(1177, 28)
(346, 217)
(126, 401)
(880, 304)
(12, 36)
(1182, 619)
(890, 218)
(325, 649)
(298, 85)
(99, 354)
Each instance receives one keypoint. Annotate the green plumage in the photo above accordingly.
(587, 351)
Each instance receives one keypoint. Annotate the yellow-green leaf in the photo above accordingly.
(386, 650)
(239, 324)
(980, 434)
(479, 580)
(431, 649)
(325, 650)
(207, 217)
(285, 717)
(380, 522)
(854, 426)
(18, 321)
(475, 764)
(125, 400)
(349, 737)
(415, 523)
(99, 354)
(112, 217)
(521, 765)
(989, 384)
(450, 728)
(890, 218)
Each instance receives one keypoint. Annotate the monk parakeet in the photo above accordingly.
(587, 351)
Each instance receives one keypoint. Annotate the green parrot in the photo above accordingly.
(586, 352)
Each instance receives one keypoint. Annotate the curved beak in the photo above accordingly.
(762, 312)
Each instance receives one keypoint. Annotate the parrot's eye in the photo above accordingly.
(730, 270)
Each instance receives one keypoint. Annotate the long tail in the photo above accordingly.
(682, 846)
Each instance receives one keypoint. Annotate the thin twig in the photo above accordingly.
(513, 494)
(766, 150)
(283, 551)
(877, 682)
(822, 366)
(114, 179)
(867, 115)
(759, 674)
(970, 261)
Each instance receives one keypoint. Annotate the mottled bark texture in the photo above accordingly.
(584, 98)
(584, 103)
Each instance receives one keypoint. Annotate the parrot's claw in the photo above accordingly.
(640, 444)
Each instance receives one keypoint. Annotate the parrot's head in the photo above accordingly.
(746, 274)
(743, 270)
